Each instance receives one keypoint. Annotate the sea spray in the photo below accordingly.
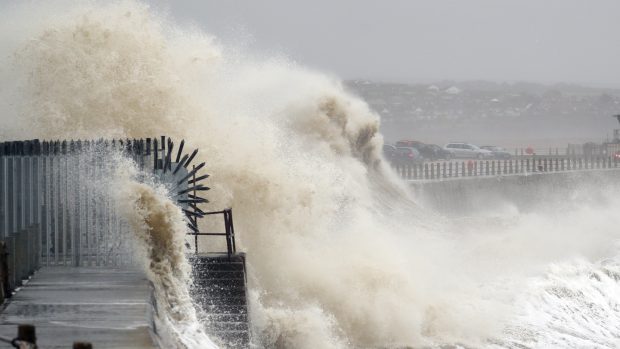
(331, 261)
(339, 255)
(160, 229)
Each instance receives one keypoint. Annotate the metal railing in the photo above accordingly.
(56, 203)
(229, 231)
(439, 170)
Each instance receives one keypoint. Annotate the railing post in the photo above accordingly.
(527, 163)
(5, 289)
(227, 229)
(232, 230)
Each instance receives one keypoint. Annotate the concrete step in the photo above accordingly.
(206, 266)
(227, 317)
(225, 309)
(222, 283)
(220, 290)
(221, 274)
(209, 300)
(228, 326)
(234, 339)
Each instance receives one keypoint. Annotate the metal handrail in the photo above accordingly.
(229, 231)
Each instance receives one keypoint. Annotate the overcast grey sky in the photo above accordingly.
(408, 40)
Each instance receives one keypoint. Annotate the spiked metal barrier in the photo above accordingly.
(56, 208)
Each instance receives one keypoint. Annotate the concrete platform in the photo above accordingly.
(107, 307)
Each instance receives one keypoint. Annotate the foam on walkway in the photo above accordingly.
(107, 307)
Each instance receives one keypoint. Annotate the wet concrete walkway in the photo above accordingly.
(107, 307)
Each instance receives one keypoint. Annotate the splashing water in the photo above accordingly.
(160, 227)
(339, 255)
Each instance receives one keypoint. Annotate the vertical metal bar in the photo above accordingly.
(96, 208)
(37, 207)
(195, 224)
(88, 206)
(77, 221)
(94, 211)
(232, 230)
(19, 194)
(65, 207)
(3, 196)
(227, 230)
(29, 216)
(72, 206)
(10, 203)
(106, 230)
(48, 202)
(57, 209)
(26, 230)
(22, 229)
(11, 216)
(155, 154)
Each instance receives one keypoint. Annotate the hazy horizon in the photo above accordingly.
(556, 41)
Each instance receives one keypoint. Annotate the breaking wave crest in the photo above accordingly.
(340, 255)
(157, 233)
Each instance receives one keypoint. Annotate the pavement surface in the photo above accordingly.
(106, 307)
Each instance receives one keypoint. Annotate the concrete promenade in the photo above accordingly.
(108, 307)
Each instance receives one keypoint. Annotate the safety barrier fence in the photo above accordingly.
(57, 204)
(439, 170)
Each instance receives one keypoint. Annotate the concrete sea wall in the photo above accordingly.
(464, 196)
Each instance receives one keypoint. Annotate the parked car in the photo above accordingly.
(498, 152)
(408, 143)
(408, 155)
(390, 153)
(428, 151)
(468, 151)
(436, 152)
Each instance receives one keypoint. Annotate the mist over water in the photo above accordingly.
(340, 253)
